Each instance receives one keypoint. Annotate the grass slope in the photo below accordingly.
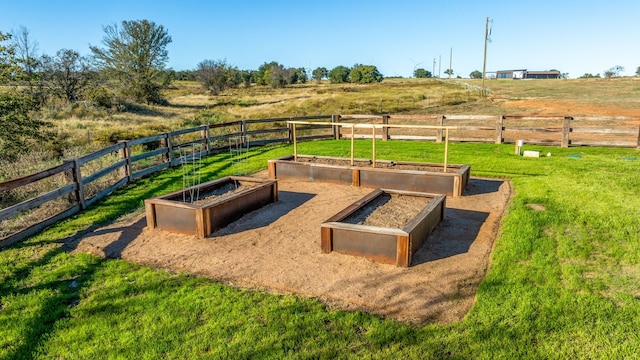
(563, 283)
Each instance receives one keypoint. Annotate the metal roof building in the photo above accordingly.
(525, 74)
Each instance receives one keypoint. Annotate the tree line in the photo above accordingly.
(128, 66)
(131, 65)
(612, 72)
(218, 75)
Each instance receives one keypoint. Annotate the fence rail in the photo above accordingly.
(129, 160)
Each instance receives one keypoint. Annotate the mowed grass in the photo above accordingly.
(562, 283)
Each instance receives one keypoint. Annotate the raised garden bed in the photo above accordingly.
(347, 232)
(203, 209)
(401, 175)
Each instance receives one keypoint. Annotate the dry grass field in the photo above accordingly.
(575, 97)
(79, 129)
(189, 105)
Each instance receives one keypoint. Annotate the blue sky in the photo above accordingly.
(397, 36)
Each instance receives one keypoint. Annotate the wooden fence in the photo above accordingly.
(129, 160)
(170, 149)
(563, 131)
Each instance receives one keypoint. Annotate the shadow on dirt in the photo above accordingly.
(453, 236)
(482, 186)
(287, 201)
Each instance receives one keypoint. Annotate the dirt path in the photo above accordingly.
(277, 248)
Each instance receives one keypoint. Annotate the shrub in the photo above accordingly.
(100, 96)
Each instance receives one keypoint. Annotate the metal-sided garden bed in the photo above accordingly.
(401, 175)
(382, 244)
(216, 204)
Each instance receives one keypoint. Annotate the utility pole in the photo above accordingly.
(433, 70)
(439, 65)
(450, 62)
(484, 63)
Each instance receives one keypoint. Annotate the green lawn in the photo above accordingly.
(563, 283)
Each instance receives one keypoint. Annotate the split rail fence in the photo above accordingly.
(80, 182)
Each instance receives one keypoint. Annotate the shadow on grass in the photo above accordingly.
(186, 106)
(55, 299)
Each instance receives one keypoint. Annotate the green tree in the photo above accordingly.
(261, 75)
(188, 75)
(66, 75)
(216, 76)
(564, 75)
(319, 73)
(19, 127)
(135, 55)
(339, 74)
(475, 74)
(449, 72)
(589, 76)
(297, 75)
(8, 64)
(638, 71)
(421, 73)
(277, 76)
(613, 71)
(364, 74)
(248, 76)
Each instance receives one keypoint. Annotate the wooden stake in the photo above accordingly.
(295, 144)
(353, 135)
(373, 147)
(446, 148)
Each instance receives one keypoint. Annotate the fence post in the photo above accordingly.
(243, 132)
(499, 128)
(566, 129)
(385, 130)
(166, 143)
(74, 175)
(290, 133)
(439, 131)
(337, 134)
(205, 135)
(125, 153)
(638, 146)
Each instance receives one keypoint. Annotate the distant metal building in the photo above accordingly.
(510, 74)
(525, 74)
(542, 75)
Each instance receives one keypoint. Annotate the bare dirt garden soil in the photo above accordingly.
(277, 249)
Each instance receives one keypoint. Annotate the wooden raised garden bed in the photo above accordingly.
(343, 232)
(203, 209)
(401, 175)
